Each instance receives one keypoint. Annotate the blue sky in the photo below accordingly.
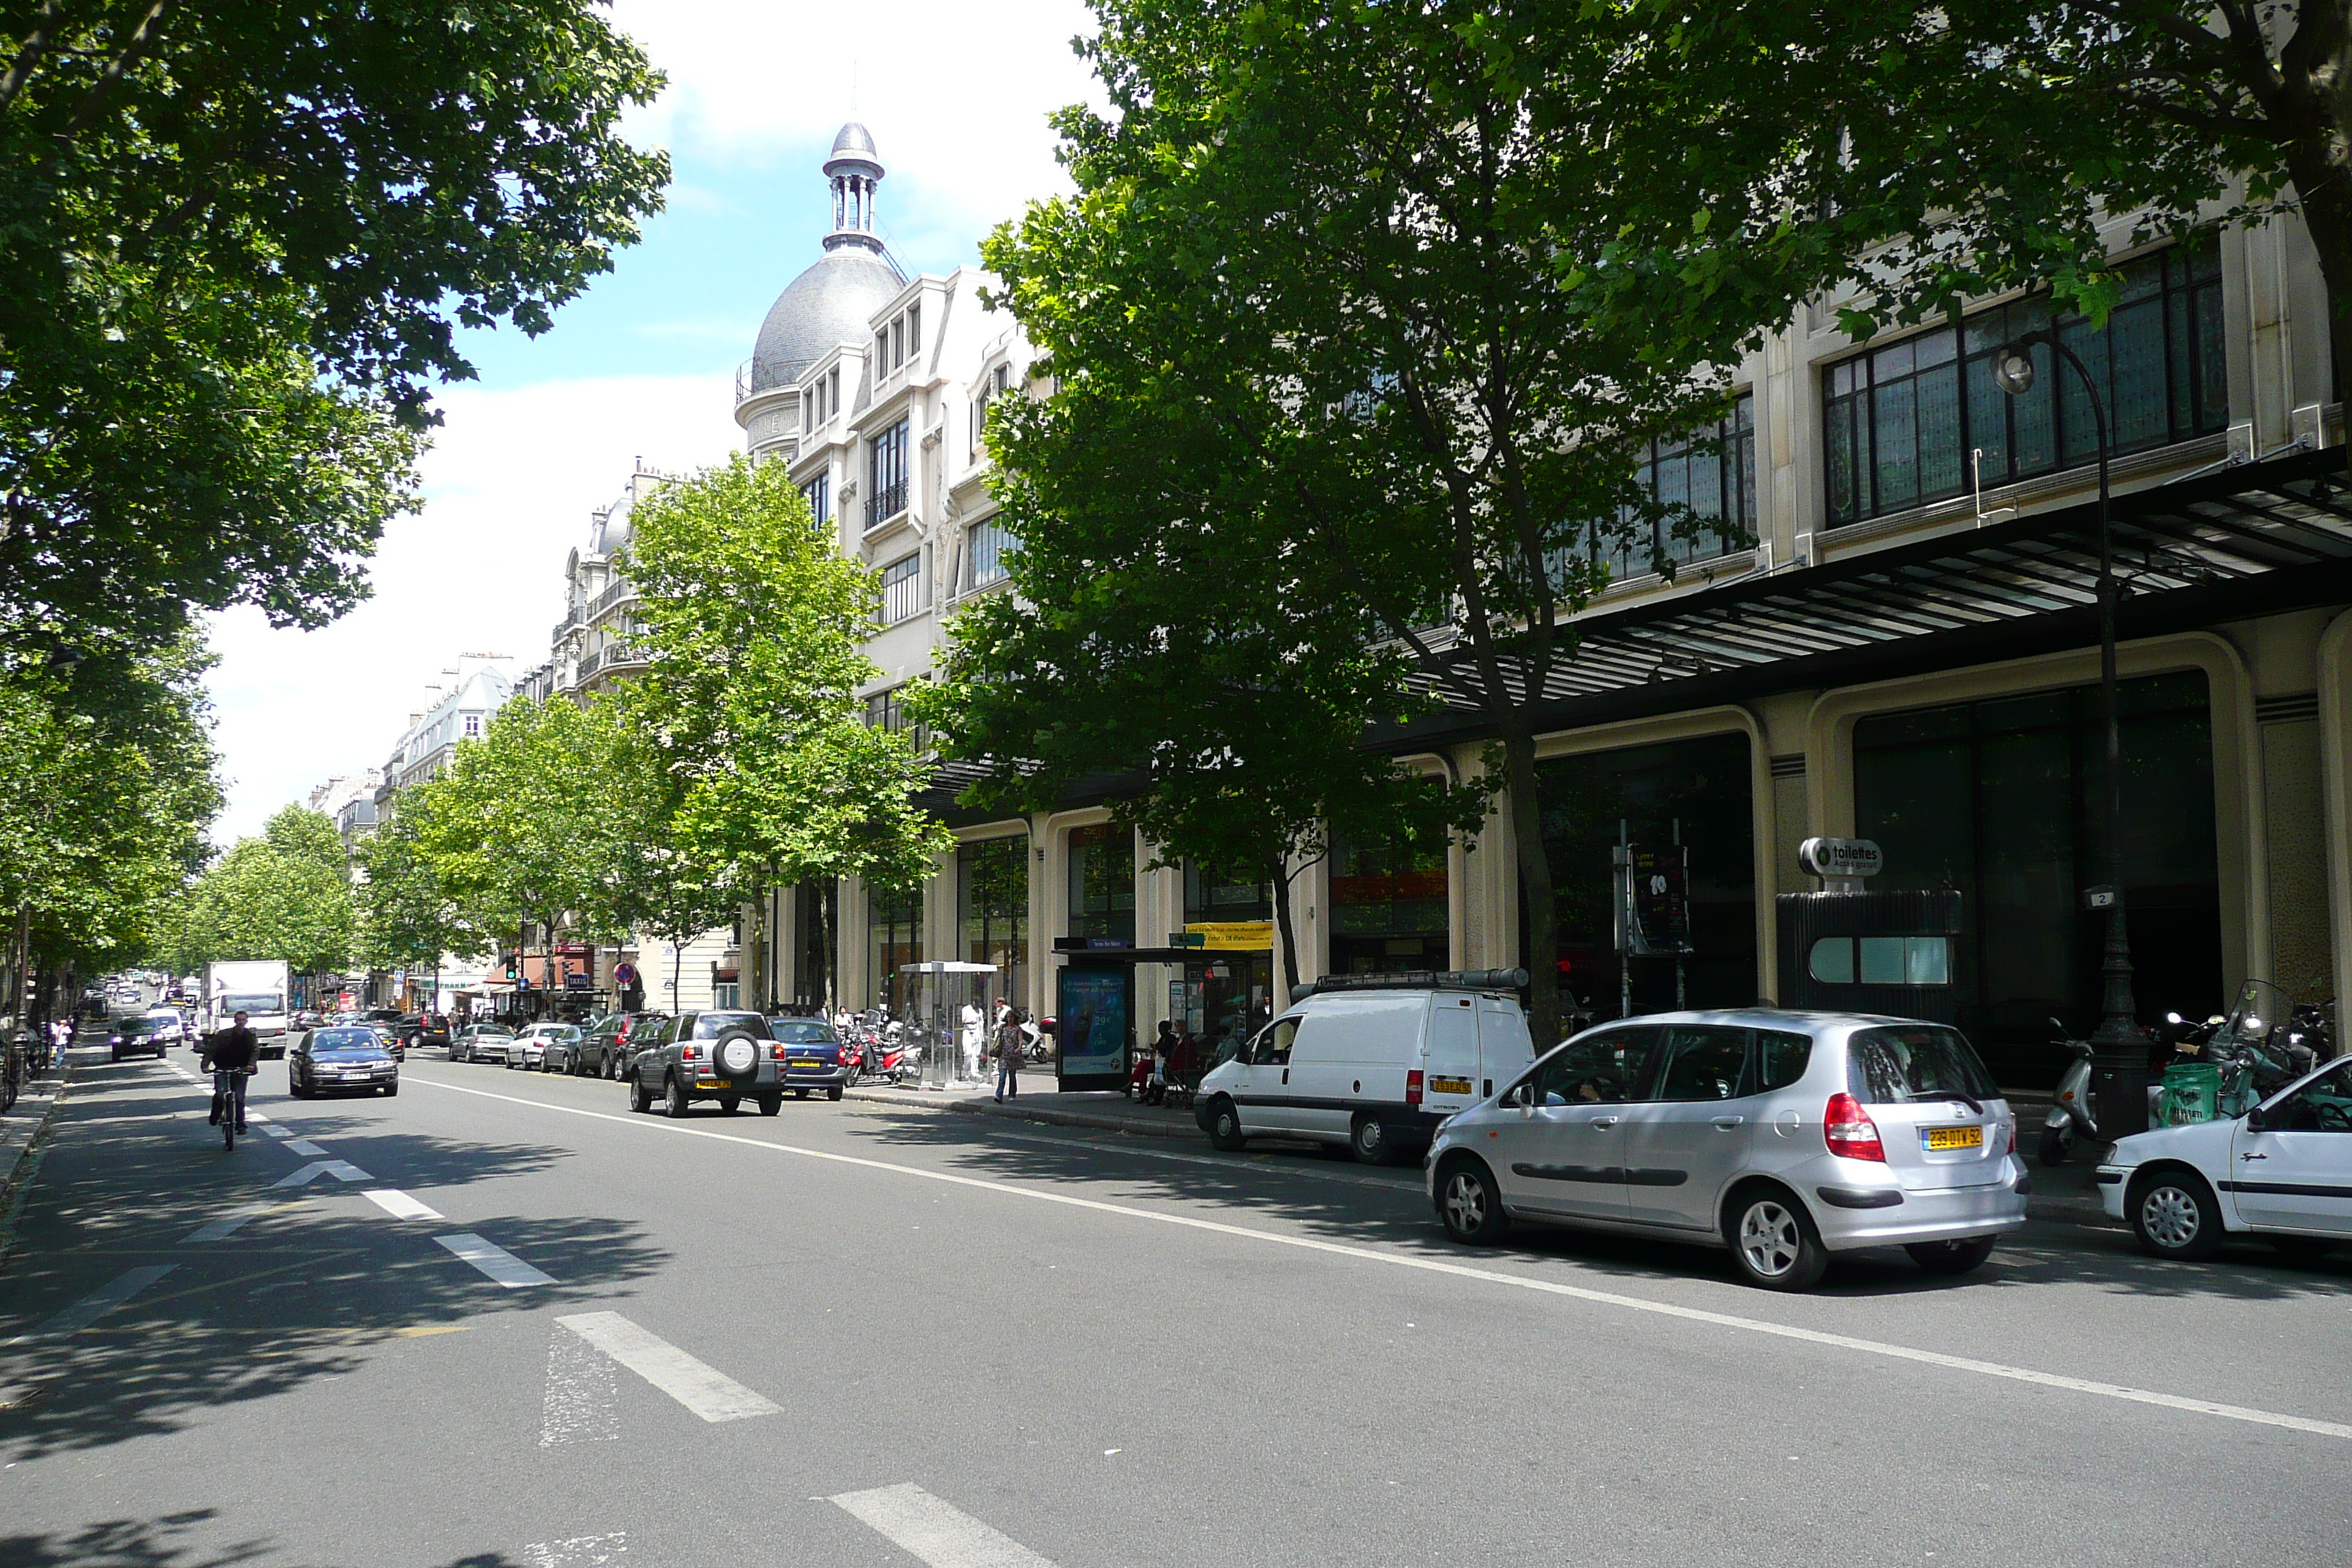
(643, 364)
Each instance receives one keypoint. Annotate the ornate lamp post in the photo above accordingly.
(2118, 1046)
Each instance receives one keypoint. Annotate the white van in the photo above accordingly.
(1374, 1062)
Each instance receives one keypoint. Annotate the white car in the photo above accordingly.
(530, 1050)
(2283, 1171)
(170, 1027)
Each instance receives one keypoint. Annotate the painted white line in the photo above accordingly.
(338, 1169)
(304, 1146)
(278, 1132)
(400, 1205)
(494, 1260)
(99, 1302)
(257, 1116)
(1489, 1276)
(942, 1535)
(580, 1552)
(227, 1225)
(703, 1389)
(582, 1392)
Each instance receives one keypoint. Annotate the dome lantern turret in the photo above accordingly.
(855, 168)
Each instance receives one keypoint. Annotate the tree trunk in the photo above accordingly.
(1541, 943)
(677, 973)
(1282, 922)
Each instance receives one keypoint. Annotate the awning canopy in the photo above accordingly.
(2254, 539)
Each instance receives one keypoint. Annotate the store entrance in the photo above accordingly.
(1222, 1000)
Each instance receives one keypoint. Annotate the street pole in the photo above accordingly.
(2118, 1048)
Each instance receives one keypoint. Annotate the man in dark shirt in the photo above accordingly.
(233, 1052)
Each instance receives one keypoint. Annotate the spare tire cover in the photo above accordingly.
(736, 1054)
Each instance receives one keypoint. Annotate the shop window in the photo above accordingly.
(992, 910)
(1710, 477)
(1903, 422)
(1387, 907)
(1216, 893)
(1102, 882)
(894, 937)
(1998, 799)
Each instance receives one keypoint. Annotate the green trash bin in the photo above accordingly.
(2191, 1093)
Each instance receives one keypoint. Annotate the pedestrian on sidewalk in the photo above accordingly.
(1009, 1049)
(61, 1034)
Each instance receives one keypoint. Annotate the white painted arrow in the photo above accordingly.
(339, 1170)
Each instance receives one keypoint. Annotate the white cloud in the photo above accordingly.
(509, 484)
(956, 95)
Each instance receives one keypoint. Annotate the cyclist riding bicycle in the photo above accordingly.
(233, 1052)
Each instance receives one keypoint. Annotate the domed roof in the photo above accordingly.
(854, 141)
(825, 306)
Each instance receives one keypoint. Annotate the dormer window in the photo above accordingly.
(915, 329)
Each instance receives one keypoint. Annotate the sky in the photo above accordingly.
(641, 366)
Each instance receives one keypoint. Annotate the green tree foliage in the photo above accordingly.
(406, 920)
(275, 896)
(237, 239)
(754, 627)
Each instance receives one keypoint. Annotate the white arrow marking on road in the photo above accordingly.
(582, 1392)
(99, 1302)
(580, 1552)
(2025, 1374)
(942, 1535)
(227, 1225)
(703, 1389)
(318, 1168)
(400, 1205)
(304, 1146)
(494, 1260)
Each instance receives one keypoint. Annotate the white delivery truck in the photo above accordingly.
(256, 987)
(1374, 1062)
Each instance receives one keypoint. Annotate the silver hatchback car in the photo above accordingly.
(1783, 1136)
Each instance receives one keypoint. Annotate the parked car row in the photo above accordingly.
(727, 1055)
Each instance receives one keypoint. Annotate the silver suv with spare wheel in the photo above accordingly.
(728, 1057)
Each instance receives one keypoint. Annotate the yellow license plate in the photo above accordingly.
(807, 1066)
(1935, 1138)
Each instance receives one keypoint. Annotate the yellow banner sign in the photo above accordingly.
(1233, 936)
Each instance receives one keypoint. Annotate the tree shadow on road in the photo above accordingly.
(127, 1543)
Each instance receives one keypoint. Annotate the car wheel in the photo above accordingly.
(390, 1089)
(294, 1090)
(1951, 1256)
(2053, 1146)
(2174, 1215)
(1370, 1141)
(729, 1103)
(1225, 1126)
(1773, 1239)
(673, 1101)
(639, 1100)
(834, 1093)
(770, 1104)
(1469, 1204)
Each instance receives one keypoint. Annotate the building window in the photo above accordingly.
(473, 724)
(887, 466)
(1713, 473)
(984, 547)
(1387, 908)
(901, 589)
(1903, 423)
(898, 343)
(914, 328)
(894, 937)
(819, 493)
(992, 910)
(1213, 894)
(1102, 882)
(885, 712)
(882, 351)
(833, 393)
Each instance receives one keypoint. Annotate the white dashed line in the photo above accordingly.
(701, 1388)
(227, 1225)
(278, 1132)
(580, 1552)
(304, 1146)
(99, 1302)
(495, 1261)
(400, 1205)
(582, 1392)
(939, 1534)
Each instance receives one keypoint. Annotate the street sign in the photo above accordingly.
(1840, 857)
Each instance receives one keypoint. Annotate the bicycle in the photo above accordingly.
(225, 1101)
(14, 1071)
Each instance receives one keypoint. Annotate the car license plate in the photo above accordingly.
(807, 1066)
(1934, 1138)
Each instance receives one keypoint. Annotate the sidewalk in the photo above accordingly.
(22, 1142)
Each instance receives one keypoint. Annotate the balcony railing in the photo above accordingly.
(570, 620)
(620, 653)
(888, 502)
(621, 590)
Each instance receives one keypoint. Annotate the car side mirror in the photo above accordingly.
(2254, 1123)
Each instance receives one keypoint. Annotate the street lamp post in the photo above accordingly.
(2118, 1048)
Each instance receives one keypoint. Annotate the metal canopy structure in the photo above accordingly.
(2249, 540)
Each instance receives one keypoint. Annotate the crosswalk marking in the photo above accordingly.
(494, 1260)
(582, 1392)
(701, 1388)
(939, 1534)
(278, 1132)
(339, 1170)
(99, 1302)
(227, 1225)
(400, 1205)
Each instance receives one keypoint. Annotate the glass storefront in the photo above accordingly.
(816, 916)
(893, 936)
(1223, 996)
(1704, 786)
(992, 910)
(2000, 800)
(1102, 882)
(1387, 908)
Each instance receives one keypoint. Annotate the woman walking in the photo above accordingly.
(1009, 1047)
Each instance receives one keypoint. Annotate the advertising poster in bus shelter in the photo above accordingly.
(1096, 1026)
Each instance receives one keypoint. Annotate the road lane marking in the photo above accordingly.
(582, 1392)
(494, 1260)
(278, 1132)
(304, 1146)
(400, 1205)
(701, 1388)
(339, 1170)
(580, 1552)
(1489, 1276)
(227, 1225)
(939, 1534)
(99, 1302)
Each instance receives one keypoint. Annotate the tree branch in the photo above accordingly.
(30, 51)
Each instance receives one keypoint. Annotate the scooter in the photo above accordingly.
(2070, 1115)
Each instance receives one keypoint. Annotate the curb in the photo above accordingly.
(17, 1189)
(1050, 1114)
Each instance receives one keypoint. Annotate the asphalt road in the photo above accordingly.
(853, 1335)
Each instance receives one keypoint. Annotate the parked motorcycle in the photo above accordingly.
(2071, 1118)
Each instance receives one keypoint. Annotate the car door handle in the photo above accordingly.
(1726, 1123)
(1286, 1075)
(1602, 1122)
(2254, 1156)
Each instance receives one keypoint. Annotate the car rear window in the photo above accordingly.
(1915, 1061)
(710, 1025)
(344, 1040)
(803, 1031)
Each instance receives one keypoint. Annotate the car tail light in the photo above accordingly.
(776, 1053)
(689, 1053)
(1413, 1087)
(1849, 1131)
